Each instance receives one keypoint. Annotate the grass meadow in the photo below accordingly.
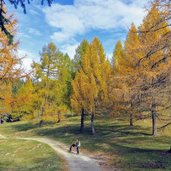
(21, 155)
(125, 147)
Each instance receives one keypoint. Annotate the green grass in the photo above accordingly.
(128, 148)
(21, 155)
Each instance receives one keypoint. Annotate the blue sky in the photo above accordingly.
(68, 22)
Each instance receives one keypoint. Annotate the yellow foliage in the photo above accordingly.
(90, 83)
(9, 61)
(28, 117)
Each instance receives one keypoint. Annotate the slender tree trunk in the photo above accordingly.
(41, 121)
(59, 117)
(92, 124)
(82, 121)
(170, 149)
(154, 124)
(131, 119)
(154, 120)
(42, 110)
(131, 116)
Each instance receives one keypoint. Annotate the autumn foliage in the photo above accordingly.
(135, 84)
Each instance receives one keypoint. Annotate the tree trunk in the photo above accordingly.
(59, 117)
(41, 121)
(1, 121)
(154, 120)
(131, 120)
(170, 150)
(131, 116)
(82, 121)
(92, 124)
(154, 124)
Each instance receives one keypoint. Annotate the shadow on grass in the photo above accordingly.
(24, 126)
(142, 159)
(130, 147)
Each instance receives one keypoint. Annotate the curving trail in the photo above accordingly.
(75, 162)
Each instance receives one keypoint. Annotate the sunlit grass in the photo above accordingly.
(21, 155)
(129, 148)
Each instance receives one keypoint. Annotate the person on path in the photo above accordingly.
(72, 145)
(78, 144)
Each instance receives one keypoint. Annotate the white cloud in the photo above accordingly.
(27, 64)
(109, 56)
(69, 49)
(21, 34)
(61, 37)
(34, 31)
(27, 58)
(85, 15)
(34, 12)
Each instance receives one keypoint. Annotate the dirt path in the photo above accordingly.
(75, 162)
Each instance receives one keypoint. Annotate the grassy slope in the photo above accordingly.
(21, 155)
(129, 148)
